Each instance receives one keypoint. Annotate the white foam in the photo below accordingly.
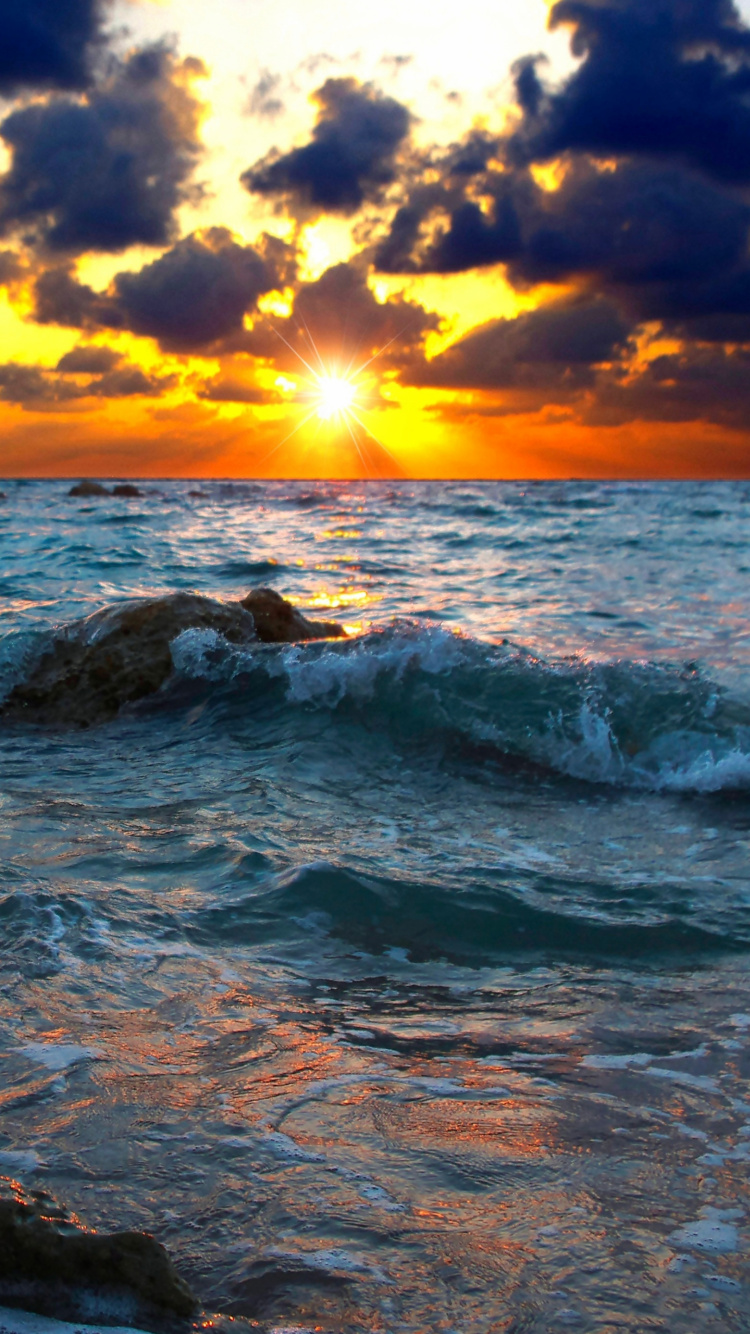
(715, 1231)
(328, 676)
(206, 655)
(20, 1160)
(59, 1055)
(333, 1260)
(671, 764)
(707, 773)
(285, 1147)
(617, 1062)
(682, 1077)
(27, 1322)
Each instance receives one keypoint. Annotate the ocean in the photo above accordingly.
(396, 982)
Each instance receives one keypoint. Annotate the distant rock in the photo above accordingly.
(89, 489)
(126, 489)
(278, 622)
(3, 495)
(51, 1265)
(199, 495)
(122, 654)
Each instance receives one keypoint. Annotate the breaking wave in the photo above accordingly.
(622, 723)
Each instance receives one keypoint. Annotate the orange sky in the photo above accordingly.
(480, 368)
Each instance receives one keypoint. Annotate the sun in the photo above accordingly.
(335, 396)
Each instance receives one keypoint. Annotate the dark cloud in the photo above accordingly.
(225, 389)
(351, 157)
(109, 171)
(11, 268)
(339, 318)
(59, 298)
(34, 388)
(29, 385)
(665, 78)
(651, 134)
(195, 294)
(631, 223)
(696, 384)
(129, 382)
(47, 43)
(553, 349)
(193, 297)
(88, 360)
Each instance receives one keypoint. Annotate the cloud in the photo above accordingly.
(11, 268)
(554, 349)
(350, 158)
(264, 101)
(195, 294)
(29, 384)
(88, 360)
(109, 171)
(664, 78)
(339, 318)
(59, 298)
(629, 223)
(696, 384)
(48, 43)
(35, 388)
(226, 389)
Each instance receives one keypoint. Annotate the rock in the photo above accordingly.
(126, 489)
(89, 489)
(116, 657)
(278, 622)
(122, 654)
(3, 495)
(52, 1265)
(199, 495)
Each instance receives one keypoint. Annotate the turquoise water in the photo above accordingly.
(396, 983)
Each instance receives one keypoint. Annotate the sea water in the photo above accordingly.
(397, 983)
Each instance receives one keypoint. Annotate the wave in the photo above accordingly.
(429, 920)
(623, 723)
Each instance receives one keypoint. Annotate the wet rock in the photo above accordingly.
(121, 655)
(278, 622)
(88, 489)
(50, 1264)
(117, 656)
(126, 489)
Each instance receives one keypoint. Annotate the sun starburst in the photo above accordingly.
(338, 396)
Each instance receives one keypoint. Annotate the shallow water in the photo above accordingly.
(398, 983)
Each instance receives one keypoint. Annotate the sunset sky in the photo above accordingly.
(248, 238)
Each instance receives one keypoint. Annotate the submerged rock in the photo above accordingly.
(278, 622)
(122, 654)
(89, 489)
(50, 1264)
(126, 489)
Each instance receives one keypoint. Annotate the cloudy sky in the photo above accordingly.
(512, 237)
